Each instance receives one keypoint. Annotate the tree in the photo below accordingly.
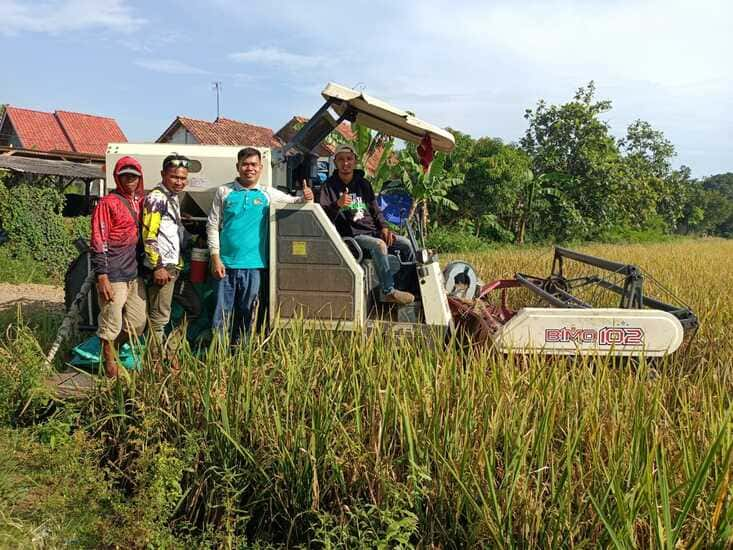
(496, 194)
(655, 193)
(573, 152)
(648, 147)
(460, 159)
(708, 206)
(719, 189)
(720, 182)
(374, 147)
(673, 195)
(427, 188)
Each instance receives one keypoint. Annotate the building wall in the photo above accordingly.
(181, 135)
(8, 137)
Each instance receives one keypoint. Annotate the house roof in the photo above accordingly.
(63, 130)
(291, 127)
(223, 131)
(45, 167)
(37, 130)
(344, 128)
(89, 133)
(287, 132)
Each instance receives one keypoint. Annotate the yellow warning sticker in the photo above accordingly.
(299, 248)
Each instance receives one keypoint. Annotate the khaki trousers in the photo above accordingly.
(125, 310)
(160, 299)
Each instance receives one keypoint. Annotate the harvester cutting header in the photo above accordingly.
(329, 282)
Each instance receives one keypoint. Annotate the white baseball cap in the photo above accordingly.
(130, 170)
(345, 148)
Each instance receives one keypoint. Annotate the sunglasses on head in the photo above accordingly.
(178, 162)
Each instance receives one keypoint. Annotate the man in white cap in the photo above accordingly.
(349, 200)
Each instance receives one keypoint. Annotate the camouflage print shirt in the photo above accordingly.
(162, 229)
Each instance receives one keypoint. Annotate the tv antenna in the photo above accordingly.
(216, 86)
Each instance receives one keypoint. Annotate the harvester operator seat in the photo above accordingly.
(399, 268)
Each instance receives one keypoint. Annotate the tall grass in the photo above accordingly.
(338, 440)
(375, 440)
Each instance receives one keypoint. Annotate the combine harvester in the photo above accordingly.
(325, 281)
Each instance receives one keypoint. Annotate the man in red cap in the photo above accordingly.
(115, 250)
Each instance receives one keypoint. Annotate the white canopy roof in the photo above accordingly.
(383, 117)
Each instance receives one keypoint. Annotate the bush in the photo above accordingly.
(31, 218)
(22, 268)
(451, 239)
(655, 231)
(22, 392)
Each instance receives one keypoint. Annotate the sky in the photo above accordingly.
(473, 66)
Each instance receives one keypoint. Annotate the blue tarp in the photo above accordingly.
(88, 354)
(395, 205)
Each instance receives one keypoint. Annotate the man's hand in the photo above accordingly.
(217, 268)
(186, 220)
(387, 236)
(307, 192)
(161, 277)
(344, 199)
(105, 288)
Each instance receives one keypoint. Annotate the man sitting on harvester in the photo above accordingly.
(349, 200)
(237, 233)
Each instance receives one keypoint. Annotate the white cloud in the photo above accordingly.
(58, 16)
(149, 43)
(670, 42)
(278, 57)
(169, 66)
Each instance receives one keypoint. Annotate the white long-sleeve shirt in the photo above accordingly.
(213, 224)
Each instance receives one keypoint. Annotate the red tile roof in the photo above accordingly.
(223, 131)
(287, 132)
(291, 127)
(344, 128)
(38, 130)
(88, 133)
(64, 131)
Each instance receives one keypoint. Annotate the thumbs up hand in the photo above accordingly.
(344, 199)
(307, 192)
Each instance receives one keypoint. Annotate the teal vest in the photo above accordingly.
(243, 237)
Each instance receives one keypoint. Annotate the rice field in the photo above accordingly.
(342, 441)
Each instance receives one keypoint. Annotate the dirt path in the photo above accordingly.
(32, 295)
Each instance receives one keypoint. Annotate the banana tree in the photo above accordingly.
(427, 188)
(374, 154)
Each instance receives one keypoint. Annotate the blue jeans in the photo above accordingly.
(378, 250)
(235, 297)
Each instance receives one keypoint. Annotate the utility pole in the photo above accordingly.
(216, 86)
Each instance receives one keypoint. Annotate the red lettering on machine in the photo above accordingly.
(607, 336)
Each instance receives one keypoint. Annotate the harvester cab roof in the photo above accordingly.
(344, 104)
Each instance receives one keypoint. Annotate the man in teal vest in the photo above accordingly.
(237, 235)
